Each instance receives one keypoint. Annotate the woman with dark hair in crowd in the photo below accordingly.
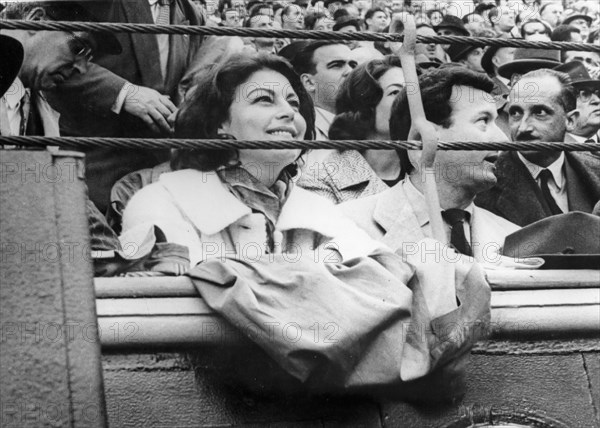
(363, 110)
(263, 252)
(216, 194)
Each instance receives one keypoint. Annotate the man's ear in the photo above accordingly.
(308, 82)
(36, 14)
(572, 120)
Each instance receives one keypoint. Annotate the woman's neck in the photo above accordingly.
(385, 163)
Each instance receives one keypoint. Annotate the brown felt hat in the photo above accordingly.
(579, 75)
(564, 241)
(526, 60)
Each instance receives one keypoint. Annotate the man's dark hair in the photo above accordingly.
(303, 62)
(568, 96)
(208, 107)
(483, 7)
(372, 12)
(562, 33)
(436, 92)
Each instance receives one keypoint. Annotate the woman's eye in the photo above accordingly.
(294, 103)
(263, 99)
(394, 92)
(484, 120)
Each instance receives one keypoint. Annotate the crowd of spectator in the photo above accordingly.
(182, 208)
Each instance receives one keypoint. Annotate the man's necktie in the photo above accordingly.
(24, 109)
(456, 219)
(164, 18)
(589, 140)
(545, 175)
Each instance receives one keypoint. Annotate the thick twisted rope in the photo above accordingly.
(169, 143)
(294, 34)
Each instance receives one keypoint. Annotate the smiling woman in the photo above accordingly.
(264, 252)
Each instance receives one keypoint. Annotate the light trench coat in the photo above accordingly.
(393, 310)
(195, 209)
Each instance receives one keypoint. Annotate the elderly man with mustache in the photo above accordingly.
(533, 185)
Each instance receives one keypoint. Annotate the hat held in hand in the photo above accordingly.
(564, 241)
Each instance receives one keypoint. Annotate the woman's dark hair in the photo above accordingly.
(436, 92)
(357, 100)
(207, 107)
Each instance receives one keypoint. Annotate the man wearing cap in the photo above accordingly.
(51, 59)
(580, 21)
(457, 101)
(533, 185)
(451, 26)
(586, 116)
(491, 60)
(467, 55)
(11, 52)
(526, 60)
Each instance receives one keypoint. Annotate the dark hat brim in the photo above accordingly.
(592, 83)
(570, 261)
(572, 18)
(462, 31)
(486, 59)
(461, 54)
(11, 52)
(523, 66)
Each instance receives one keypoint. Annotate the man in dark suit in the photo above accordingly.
(133, 94)
(533, 185)
(51, 58)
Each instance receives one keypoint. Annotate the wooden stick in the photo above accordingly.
(420, 125)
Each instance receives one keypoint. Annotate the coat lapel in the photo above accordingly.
(178, 48)
(145, 46)
(583, 181)
(396, 216)
(520, 199)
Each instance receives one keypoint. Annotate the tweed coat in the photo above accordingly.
(342, 176)
(518, 198)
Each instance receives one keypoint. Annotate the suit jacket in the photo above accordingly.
(97, 90)
(398, 220)
(518, 198)
(342, 176)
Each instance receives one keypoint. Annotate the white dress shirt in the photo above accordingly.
(10, 108)
(558, 184)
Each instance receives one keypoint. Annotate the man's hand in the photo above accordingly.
(151, 107)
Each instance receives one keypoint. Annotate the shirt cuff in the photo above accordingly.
(118, 104)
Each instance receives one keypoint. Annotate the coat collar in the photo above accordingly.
(193, 191)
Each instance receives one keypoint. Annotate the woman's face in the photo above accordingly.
(391, 83)
(265, 107)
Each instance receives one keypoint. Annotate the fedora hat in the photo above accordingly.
(578, 74)
(458, 51)
(564, 241)
(454, 22)
(11, 52)
(573, 17)
(526, 60)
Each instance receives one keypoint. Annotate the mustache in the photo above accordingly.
(525, 136)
